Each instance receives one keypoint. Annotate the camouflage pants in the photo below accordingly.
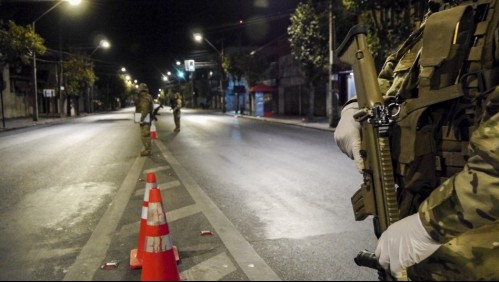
(470, 257)
(176, 118)
(145, 134)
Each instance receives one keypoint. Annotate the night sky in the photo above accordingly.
(148, 36)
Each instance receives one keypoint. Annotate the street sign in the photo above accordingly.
(49, 93)
(190, 65)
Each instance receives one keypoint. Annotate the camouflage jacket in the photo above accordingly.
(446, 152)
(176, 103)
(458, 207)
(144, 105)
(470, 198)
(463, 212)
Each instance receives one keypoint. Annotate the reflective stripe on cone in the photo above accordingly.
(136, 255)
(159, 262)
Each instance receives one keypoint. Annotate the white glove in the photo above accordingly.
(403, 244)
(347, 135)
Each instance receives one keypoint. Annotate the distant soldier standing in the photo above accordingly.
(144, 106)
(176, 104)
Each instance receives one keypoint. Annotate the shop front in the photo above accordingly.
(262, 100)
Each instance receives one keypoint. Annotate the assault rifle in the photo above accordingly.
(155, 112)
(377, 195)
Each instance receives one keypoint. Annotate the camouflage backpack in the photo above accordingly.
(443, 75)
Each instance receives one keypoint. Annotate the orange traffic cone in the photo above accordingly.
(136, 255)
(159, 257)
(154, 134)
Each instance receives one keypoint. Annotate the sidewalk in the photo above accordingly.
(17, 123)
(321, 123)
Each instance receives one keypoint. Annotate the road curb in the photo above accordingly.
(288, 122)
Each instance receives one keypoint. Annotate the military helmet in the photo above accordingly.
(143, 87)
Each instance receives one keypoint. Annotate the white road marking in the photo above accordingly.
(161, 186)
(241, 250)
(94, 251)
(212, 269)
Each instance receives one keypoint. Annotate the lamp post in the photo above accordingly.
(105, 45)
(35, 80)
(199, 37)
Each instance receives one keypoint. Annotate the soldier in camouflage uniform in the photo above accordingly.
(144, 105)
(450, 232)
(176, 104)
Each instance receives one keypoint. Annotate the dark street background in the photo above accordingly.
(149, 36)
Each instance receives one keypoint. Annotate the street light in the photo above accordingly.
(35, 80)
(198, 37)
(102, 44)
(105, 45)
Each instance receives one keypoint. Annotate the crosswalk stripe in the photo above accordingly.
(171, 216)
(177, 214)
(161, 186)
(157, 169)
(212, 269)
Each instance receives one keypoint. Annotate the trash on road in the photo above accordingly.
(206, 233)
(110, 265)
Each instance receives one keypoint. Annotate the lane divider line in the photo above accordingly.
(241, 250)
(94, 251)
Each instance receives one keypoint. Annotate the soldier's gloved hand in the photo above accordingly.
(347, 134)
(404, 244)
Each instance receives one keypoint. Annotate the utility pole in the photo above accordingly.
(60, 84)
(199, 38)
(224, 109)
(2, 87)
(332, 98)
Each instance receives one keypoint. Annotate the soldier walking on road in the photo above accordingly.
(144, 106)
(176, 104)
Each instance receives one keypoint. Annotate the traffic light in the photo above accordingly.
(180, 74)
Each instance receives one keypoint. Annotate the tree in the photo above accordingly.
(232, 64)
(79, 75)
(239, 63)
(255, 66)
(17, 45)
(309, 44)
(126, 89)
(389, 22)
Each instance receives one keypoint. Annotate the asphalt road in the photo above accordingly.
(275, 198)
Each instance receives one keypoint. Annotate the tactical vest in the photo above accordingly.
(174, 102)
(446, 70)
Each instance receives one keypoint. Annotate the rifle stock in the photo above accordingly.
(377, 195)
